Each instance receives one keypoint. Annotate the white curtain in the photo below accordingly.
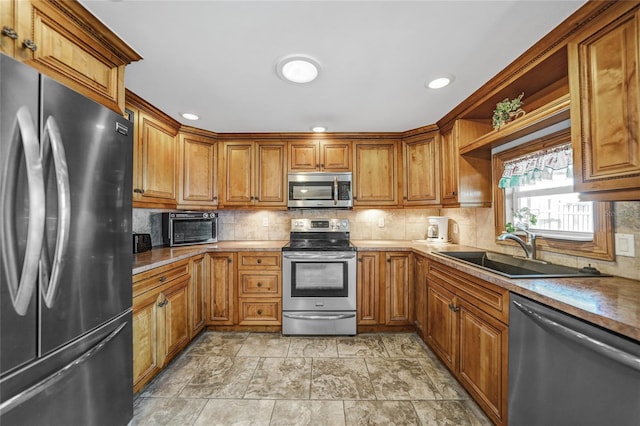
(540, 165)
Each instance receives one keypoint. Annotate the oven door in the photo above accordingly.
(319, 280)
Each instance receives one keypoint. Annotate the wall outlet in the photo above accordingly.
(265, 221)
(381, 222)
(625, 245)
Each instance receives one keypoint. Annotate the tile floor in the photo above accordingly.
(270, 379)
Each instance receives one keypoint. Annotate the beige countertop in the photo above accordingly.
(610, 302)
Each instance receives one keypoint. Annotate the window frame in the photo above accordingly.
(601, 247)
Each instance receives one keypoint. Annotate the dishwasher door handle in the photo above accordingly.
(588, 342)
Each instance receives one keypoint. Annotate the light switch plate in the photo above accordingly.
(625, 245)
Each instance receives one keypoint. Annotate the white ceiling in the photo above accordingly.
(218, 58)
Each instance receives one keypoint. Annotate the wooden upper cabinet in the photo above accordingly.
(320, 155)
(197, 171)
(421, 155)
(376, 173)
(154, 155)
(254, 173)
(605, 106)
(466, 179)
(64, 41)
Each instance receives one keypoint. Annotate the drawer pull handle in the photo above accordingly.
(29, 44)
(162, 279)
(163, 303)
(138, 191)
(9, 32)
(454, 308)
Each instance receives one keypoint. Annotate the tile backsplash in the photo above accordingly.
(475, 228)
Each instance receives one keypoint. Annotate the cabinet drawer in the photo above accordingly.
(270, 260)
(148, 280)
(260, 312)
(490, 298)
(255, 284)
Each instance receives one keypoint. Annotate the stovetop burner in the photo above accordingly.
(319, 235)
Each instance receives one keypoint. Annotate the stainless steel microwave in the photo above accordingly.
(186, 228)
(320, 190)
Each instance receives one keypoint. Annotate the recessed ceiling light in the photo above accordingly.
(318, 129)
(190, 116)
(440, 82)
(298, 68)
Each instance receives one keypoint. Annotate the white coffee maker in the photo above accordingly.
(437, 229)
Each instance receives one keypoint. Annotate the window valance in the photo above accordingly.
(537, 166)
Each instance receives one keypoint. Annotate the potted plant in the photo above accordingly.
(507, 110)
(523, 217)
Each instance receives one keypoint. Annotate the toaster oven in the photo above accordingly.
(186, 228)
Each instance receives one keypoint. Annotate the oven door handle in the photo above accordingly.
(319, 256)
(318, 317)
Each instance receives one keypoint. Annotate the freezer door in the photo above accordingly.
(85, 268)
(86, 383)
(21, 213)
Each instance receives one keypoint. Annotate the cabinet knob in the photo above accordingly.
(228, 260)
(259, 311)
(259, 284)
(162, 279)
(322, 165)
(359, 259)
(215, 197)
(259, 260)
(9, 32)
(388, 260)
(29, 44)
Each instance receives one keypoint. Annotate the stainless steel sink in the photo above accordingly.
(517, 267)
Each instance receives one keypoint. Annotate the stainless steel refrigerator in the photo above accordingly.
(65, 254)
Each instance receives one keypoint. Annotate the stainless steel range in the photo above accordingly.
(319, 279)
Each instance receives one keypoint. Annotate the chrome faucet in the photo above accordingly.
(529, 246)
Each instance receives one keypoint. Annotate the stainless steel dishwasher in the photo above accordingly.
(565, 371)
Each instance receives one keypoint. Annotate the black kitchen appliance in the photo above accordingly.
(141, 243)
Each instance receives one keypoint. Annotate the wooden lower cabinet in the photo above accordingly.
(420, 296)
(160, 319)
(384, 290)
(399, 288)
(220, 289)
(259, 288)
(467, 328)
(197, 295)
(369, 280)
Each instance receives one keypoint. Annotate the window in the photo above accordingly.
(533, 179)
(539, 195)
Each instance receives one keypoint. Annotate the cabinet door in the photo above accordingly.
(145, 347)
(304, 156)
(197, 295)
(376, 174)
(158, 150)
(237, 177)
(399, 288)
(197, 186)
(368, 288)
(421, 171)
(441, 324)
(483, 359)
(420, 296)
(605, 108)
(449, 164)
(220, 289)
(335, 156)
(270, 174)
(174, 333)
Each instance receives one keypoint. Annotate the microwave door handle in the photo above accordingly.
(335, 190)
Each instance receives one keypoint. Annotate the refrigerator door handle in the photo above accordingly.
(52, 145)
(22, 283)
(54, 378)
